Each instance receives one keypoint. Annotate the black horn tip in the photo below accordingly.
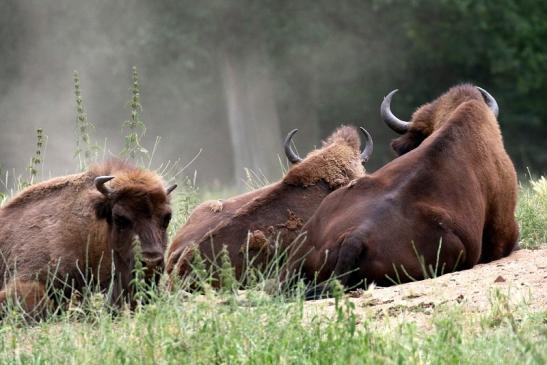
(369, 146)
(398, 125)
(171, 188)
(291, 155)
(99, 184)
(390, 95)
(288, 139)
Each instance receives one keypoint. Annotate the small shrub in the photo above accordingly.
(134, 126)
(532, 214)
(86, 150)
(36, 160)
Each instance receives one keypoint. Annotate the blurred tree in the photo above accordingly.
(496, 44)
(10, 41)
(235, 76)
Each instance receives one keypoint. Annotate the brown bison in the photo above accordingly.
(251, 225)
(79, 230)
(447, 203)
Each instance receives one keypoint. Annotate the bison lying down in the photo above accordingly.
(249, 225)
(450, 198)
(75, 227)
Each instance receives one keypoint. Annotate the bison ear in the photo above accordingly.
(103, 210)
(407, 143)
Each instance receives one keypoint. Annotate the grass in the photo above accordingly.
(251, 327)
(532, 214)
(254, 328)
(217, 329)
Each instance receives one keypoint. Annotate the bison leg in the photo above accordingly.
(349, 257)
(500, 237)
(453, 255)
(29, 295)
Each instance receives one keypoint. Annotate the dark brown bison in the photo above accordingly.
(251, 225)
(69, 231)
(447, 203)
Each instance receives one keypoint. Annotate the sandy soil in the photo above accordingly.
(522, 277)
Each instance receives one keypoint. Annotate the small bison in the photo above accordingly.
(79, 230)
(448, 202)
(250, 225)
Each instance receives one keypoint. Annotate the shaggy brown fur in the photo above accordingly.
(277, 209)
(337, 163)
(455, 184)
(431, 116)
(66, 228)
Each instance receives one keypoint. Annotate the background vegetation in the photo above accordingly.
(232, 78)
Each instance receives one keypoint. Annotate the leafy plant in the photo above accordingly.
(86, 150)
(532, 213)
(134, 127)
(36, 160)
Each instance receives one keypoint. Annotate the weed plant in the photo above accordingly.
(86, 150)
(532, 213)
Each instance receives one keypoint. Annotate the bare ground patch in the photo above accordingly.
(522, 277)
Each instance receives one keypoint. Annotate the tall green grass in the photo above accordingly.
(254, 329)
(532, 213)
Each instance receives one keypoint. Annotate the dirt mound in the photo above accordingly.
(522, 277)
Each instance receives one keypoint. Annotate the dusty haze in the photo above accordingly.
(230, 78)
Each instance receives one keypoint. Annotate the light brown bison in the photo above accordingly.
(250, 225)
(76, 227)
(447, 203)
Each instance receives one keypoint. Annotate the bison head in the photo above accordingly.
(339, 161)
(135, 204)
(430, 116)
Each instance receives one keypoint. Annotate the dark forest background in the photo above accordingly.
(233, 77)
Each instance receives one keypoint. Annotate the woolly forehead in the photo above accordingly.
(336, 164)
(438, 110)
(344, 135)
(338, 151)
(139, 185)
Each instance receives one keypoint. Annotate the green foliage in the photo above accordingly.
(138, 283)
(227, 278)
(86, 150)
(36, 160)
(496, 44)
(532, 214)
(202, 277)
(195, 329)
(134, 127)
(184, 200)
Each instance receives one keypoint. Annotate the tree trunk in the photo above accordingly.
(252, 116)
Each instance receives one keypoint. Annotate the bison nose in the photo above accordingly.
(153, 260)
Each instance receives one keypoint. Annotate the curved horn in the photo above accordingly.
(291, 155)
(369, 146)
(398, 125)
(490, 101)
(99, 184)
(171, 188)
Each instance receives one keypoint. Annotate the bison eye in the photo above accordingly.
(166, 220)
(121, 221)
